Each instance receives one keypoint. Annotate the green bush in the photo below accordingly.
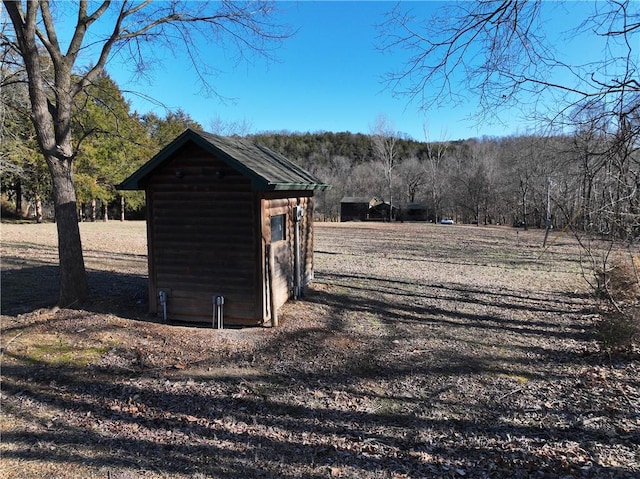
(7, 208)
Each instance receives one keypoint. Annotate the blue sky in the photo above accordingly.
(328, 78)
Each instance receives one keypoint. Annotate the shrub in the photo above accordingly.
(7, 208)
(618, 331)
(619, 284)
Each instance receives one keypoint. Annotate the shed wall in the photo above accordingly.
(354, 211)
(203, 240)
(284, 252)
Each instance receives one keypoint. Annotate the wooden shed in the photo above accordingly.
(354, 208)
(382, 211)
(229, 229)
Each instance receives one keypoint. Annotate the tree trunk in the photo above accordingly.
(390, 197)
(18, 198)
(524, 210)
(122, 207)
(51, 117)
(105, 211)
(39, 215)
(73, 279)
(93, 210)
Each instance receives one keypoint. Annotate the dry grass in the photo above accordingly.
(420, 351)
(620, 293)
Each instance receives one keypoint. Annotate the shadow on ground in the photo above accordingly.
(368, 377)
(33, 287)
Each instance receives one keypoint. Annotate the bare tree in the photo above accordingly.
(385, 149)
(338, 172)
(134, 26)
(435, 169)
(414, 178)
(469, 179)
(230, 127)
(499, 50)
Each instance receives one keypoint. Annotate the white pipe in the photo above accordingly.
(218, 312)
(220, 301)
(163, 304)
(298, 213)
(214, 317)
(270, 281)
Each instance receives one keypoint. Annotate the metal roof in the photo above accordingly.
(356, 199)
(267, 169)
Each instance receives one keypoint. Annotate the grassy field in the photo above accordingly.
(419, 351)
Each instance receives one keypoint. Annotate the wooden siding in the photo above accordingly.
(284, 251)
(354, 211)
(307, 233)
(202, 240)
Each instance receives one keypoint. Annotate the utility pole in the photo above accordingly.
(548, 221)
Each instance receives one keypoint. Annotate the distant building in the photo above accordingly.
(353, 208)
(361, 208)
(382, 211)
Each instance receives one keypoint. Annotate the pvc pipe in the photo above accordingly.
(298, 213)
(163, 304)
(218, 312)
(271, 281)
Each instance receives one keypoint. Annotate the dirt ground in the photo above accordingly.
(419, 351)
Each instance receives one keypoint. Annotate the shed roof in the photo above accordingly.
(267, 169)
(355, 199)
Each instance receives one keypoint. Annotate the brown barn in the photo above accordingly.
(353, 208)
(379, 211)
(229, 229)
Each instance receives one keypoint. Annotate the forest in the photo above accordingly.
(587, 179)
(112, 142)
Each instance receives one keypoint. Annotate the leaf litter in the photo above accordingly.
(418, 351)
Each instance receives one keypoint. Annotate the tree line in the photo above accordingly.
(112, 141)
(586, 165)
(583, 179)
(134, 33)
(587, 179)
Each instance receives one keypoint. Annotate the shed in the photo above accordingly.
(229, 229)
(354, 208)
(381, 210)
